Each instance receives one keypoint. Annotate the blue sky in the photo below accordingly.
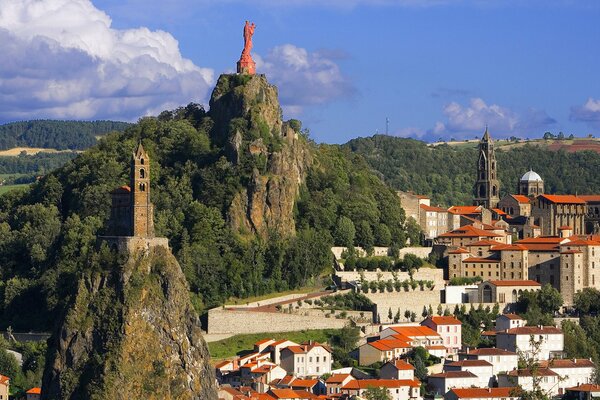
(435, 68)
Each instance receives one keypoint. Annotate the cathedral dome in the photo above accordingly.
(531, 176)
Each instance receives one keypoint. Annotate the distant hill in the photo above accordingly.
(446, 172)
(568, 145)
(59, 135)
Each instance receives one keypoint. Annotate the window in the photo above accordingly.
(309, 359)
(142, 173)
(317, 358)
(142, 187)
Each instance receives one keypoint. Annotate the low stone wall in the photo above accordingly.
(423, 274)
(274, 300)
(421, 252)
(411, 300)
(222, 321)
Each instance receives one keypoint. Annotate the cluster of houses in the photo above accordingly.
(31, 394)
(286, 370)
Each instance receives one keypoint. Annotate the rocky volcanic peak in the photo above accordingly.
(131, 333)
(247, 121)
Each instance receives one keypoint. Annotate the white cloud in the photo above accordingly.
(588, 113)
(464, 120)
(303, 78)
(63, 59)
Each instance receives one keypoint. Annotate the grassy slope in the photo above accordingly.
(8, 188)
(241, 343)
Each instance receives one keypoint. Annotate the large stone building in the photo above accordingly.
(553, 212)
(531, 184)
(487, 185)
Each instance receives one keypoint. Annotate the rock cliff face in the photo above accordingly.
(247, 121)
(131, 333)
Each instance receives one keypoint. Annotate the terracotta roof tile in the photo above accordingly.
(562, 198)
(480, 260)
(387, 383)
(401, 365)
(482, 393)
(443, 320)
(469, 231)
(586, 387)
(470, 363)
(491, 352)
(337, 378)
(454, 374)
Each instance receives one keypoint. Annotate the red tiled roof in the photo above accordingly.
(430, 208)
(387, 383)
(498, 211)
(526, 372)
(304, 383)
(390, 344)
(481, 393)
(515, 283)
(469, 231)
(589, 197)
(465, 209)
(511, 316)
(292, 394)
(337, 378)
(470, 363)
(520, 198)
(562, 198)
(401, 365)
(122, 189)
(415, 331)
(4, 380)
(491, 352)
(567, 363)
(586, 387)
(35, 390)
(582, 242)
(542, 243)
(509, 247)
(531, 330)
(263, 341)
(454, 374)
(305, 348)
(444, 320)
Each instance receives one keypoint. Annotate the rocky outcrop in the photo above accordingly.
(247, 121)
(130, 333)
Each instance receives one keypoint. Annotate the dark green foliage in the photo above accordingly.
(447, 173)
(588, 301)
(377, 393)
(464, 280)
(538, 307)
(48, 234)
(474, 321)
(340, 185)
(60, 135)
(349, 301)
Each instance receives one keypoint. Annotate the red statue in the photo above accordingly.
(246, 65)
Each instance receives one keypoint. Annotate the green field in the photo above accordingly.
(239, 344)
(8, 188)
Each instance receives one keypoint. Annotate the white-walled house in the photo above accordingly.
(441, 383)
(574, 372)
(509, 321)
(501, 360)
(520, 339)
(399, 389)
(481, 394)
(449, 328)
(397, 369)
(483, 369)
(549, 380)
(306, 360)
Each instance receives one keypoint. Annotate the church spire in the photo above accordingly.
(487, 185)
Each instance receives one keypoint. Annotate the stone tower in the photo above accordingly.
(142, 210)
(487, 185)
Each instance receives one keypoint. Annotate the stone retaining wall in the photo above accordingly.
(241, 322)
(425, 274)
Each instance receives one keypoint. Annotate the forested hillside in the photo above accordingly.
(60, 135)
(447, 173)
(48, 234)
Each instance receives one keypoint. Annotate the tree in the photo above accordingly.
(377, 393)
(364, 236)
(529, 361)
(587, 301)
(397, 316)
(390, 315)
(440, 310)
(344, 232)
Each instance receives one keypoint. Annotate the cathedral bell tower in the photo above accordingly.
(487, 185)
(142, 211)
